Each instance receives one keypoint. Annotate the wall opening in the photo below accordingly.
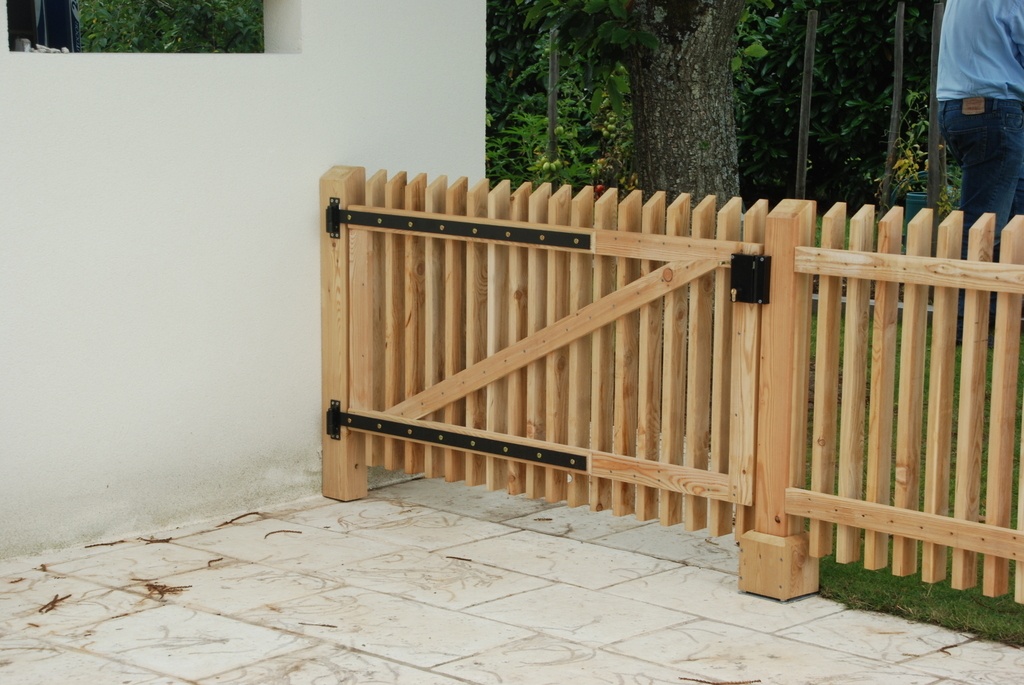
(154, 26)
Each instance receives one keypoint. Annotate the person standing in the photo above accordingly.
(980, 90)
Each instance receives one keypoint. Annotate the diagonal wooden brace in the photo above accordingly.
(587, 320)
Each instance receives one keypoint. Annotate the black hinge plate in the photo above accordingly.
(334, 420)
(334, 218)
(480, 229)
(751, 277)
(458, 441)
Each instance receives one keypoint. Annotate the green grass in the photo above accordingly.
(968, 611)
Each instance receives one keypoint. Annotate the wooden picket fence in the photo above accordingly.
(654, 358)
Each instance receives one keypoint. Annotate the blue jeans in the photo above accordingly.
(990, 149)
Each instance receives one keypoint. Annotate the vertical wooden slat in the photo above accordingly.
(375, 186)
(498, 207)
(434, 317)
(673, 389)
(745, 379)
(394, 336)
(626, 363)
(652, 319)
(344, 461)
(518, 296)
(720, 514)
(602, 385)
(971, 418)
(476, 326)
(883, 387)
(855, 382)
(698, 389)
(826, 379)
(456, 330)
(1001, 446)
(415, 306)
(557, 385)
(581, 293)
(536, 319)
(939, 430)
(909, 422)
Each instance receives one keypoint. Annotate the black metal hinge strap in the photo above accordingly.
(751, 277)
(480, 229)
(507, 449)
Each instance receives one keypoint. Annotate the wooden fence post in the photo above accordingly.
(344, 459)
(774, 555)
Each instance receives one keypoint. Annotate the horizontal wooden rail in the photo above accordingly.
(1000, 542)
(692, 481)
(603, 243)
(893, 268)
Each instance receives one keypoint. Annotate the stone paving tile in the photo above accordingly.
(560, 559)
(727, 653)
(329, 665)
(714, 595)
(587, 617)
(477, 502)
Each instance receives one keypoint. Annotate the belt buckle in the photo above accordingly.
(973, 106)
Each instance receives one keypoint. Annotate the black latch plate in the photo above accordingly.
(751, 278)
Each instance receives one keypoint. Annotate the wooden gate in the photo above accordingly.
(630, 355)
(565, 347)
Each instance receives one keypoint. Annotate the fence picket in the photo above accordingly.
(1001, 447)
(855, 380)
(673, 390)
(720, 514)
(911, 394)
(826, 379)
(456, 329)
(476, 327)
(602, 357)
(939, 431)
(375, 195)
(518, 323)
(626, 362)
(556, 401)
(971, 417)
(415, 304)
(652, 319)
(499, 206)
(434, 317)
(744, 392)
(883, 385)
(536, 319)
(394, 296)
(698, 389)
(581, 293)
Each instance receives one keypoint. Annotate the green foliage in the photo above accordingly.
(594, 138)
(597, 34)
(172, 25)
(851, 98)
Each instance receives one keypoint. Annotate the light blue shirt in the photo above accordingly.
(981, 53)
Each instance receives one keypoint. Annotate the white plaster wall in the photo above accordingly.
(159, 285)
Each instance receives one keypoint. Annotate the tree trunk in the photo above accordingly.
(683, 119)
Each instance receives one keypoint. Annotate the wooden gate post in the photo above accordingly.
(344, 456)
(774, 558)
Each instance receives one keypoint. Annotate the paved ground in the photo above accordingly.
(431, 583)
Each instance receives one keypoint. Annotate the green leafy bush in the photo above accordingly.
(853, 74)
(172, 26)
